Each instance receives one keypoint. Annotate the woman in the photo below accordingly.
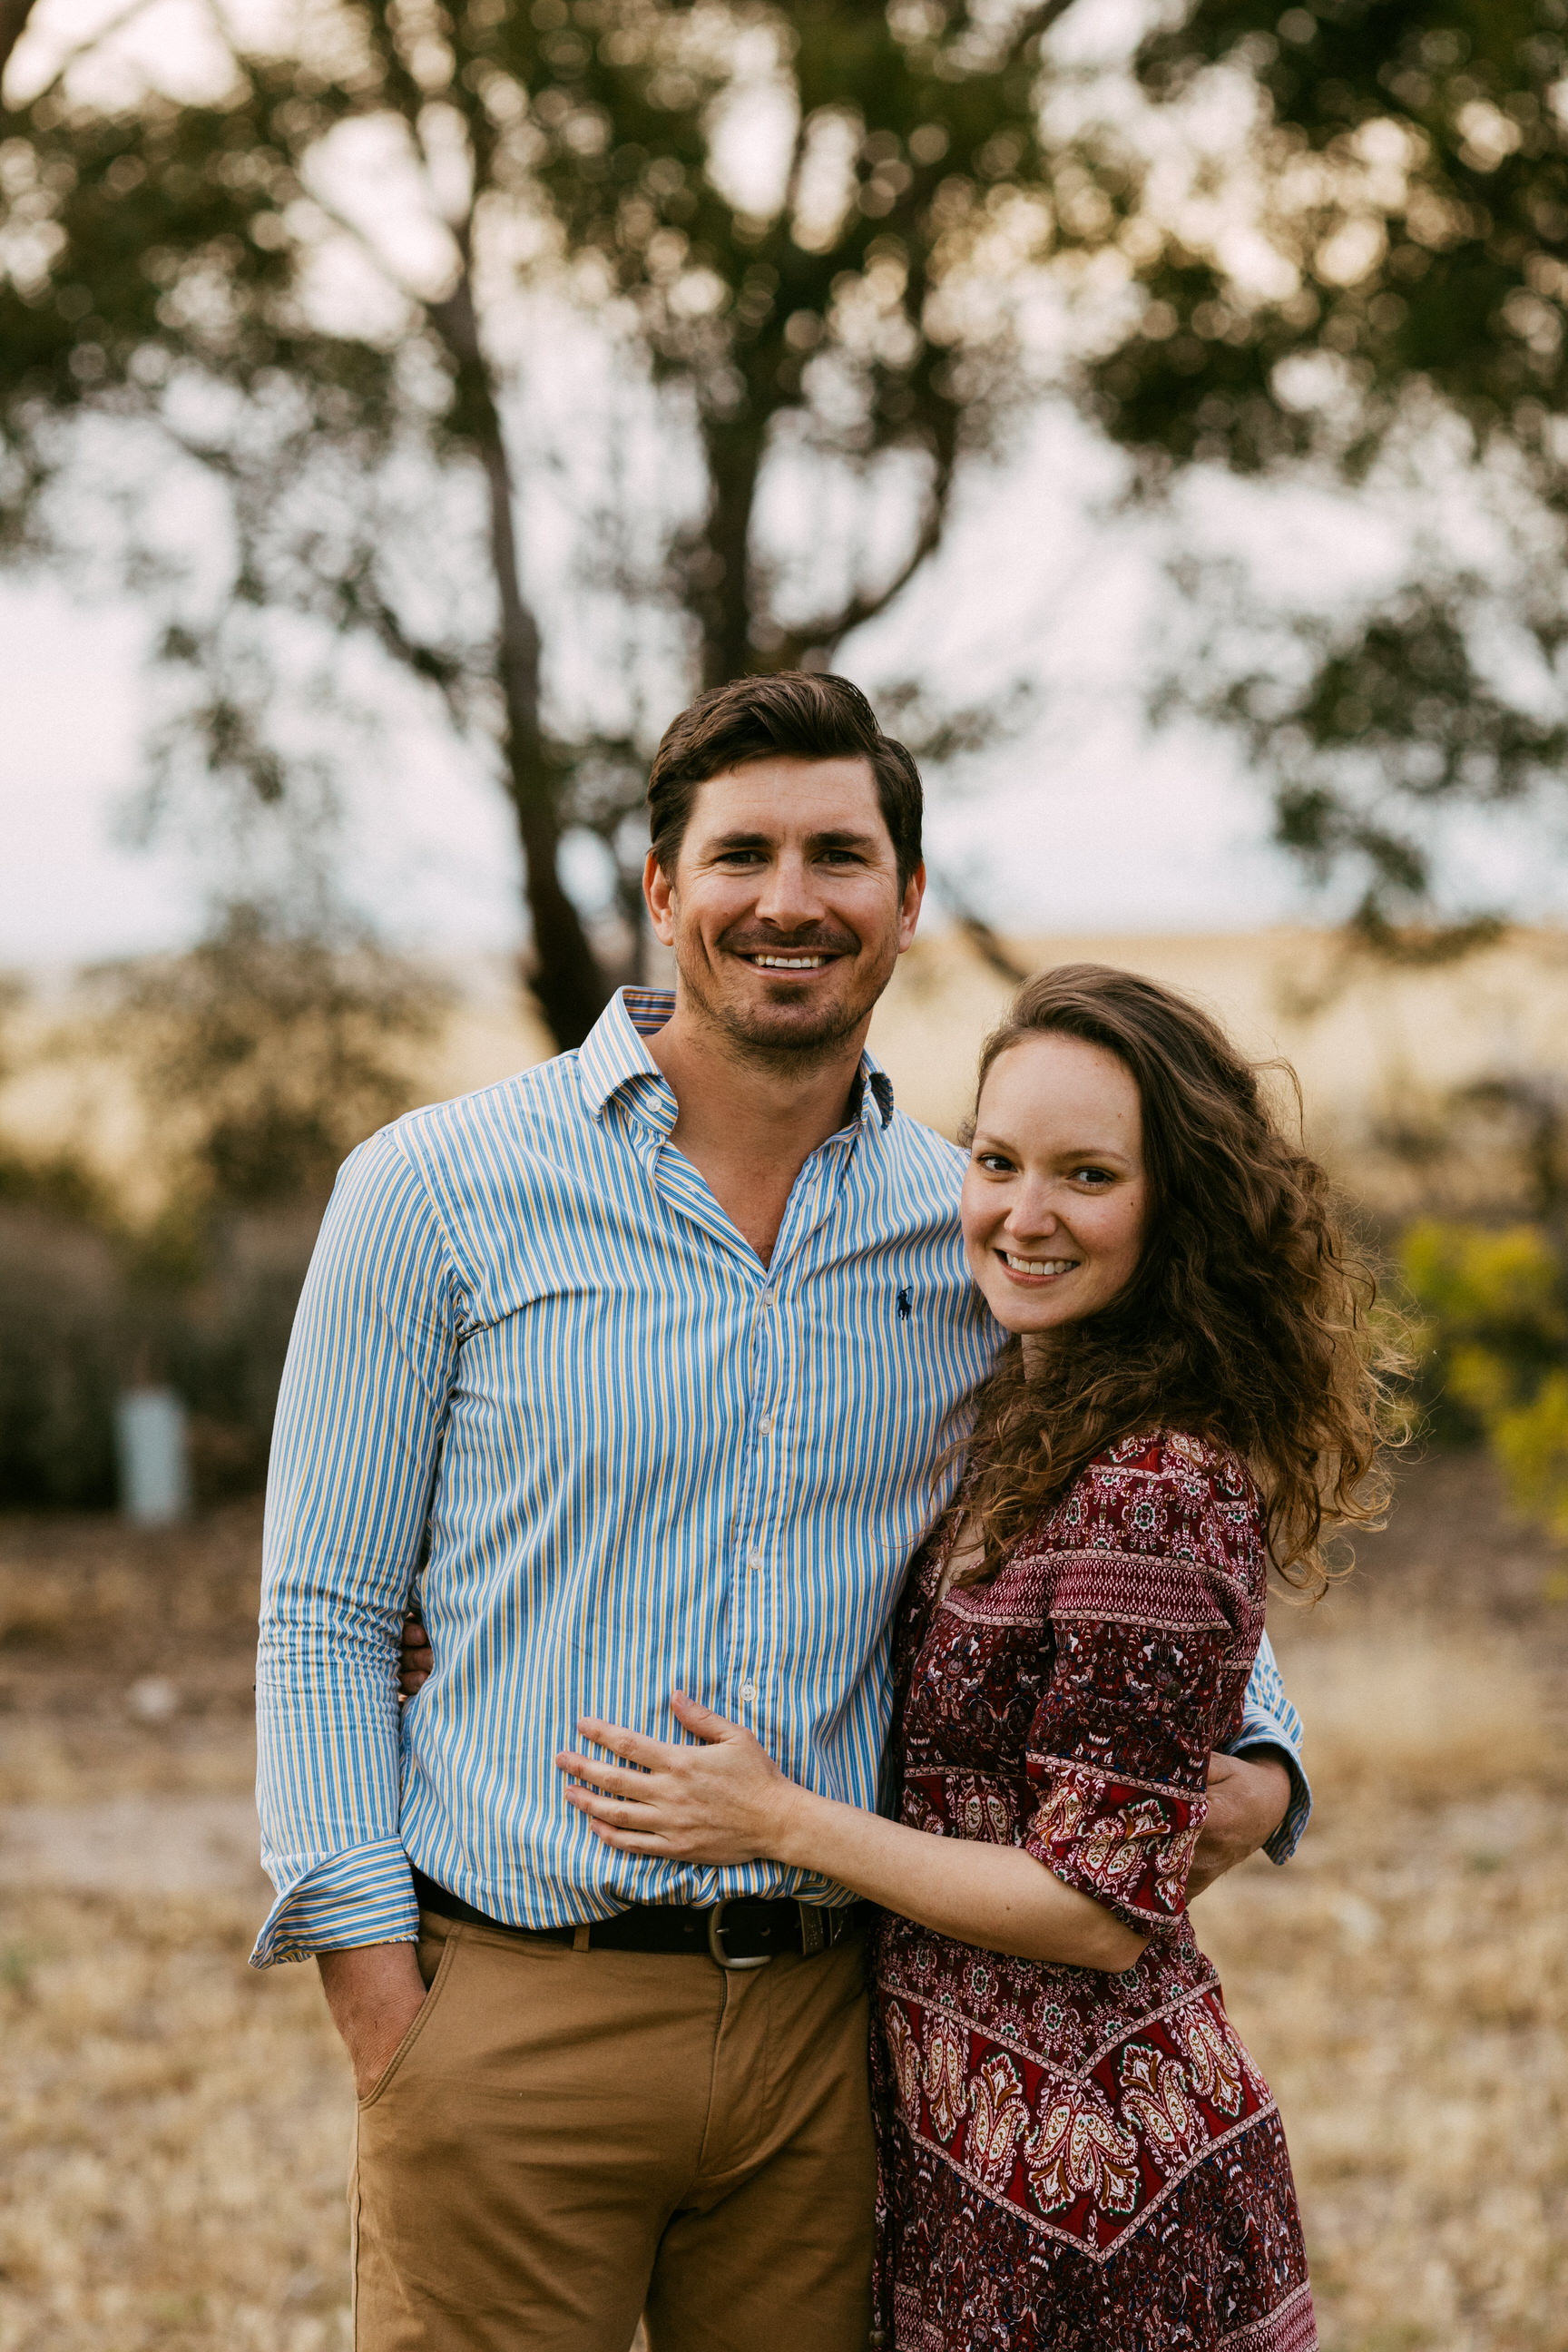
(1081, 2157)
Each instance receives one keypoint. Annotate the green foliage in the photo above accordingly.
(1405, 173)
(1494, 1340)
(1531, 1441)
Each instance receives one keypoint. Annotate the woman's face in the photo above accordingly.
(1055, 1195)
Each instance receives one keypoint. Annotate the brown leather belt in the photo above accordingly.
(742, 1932)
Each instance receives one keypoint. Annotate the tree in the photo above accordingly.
(1362, 277)
(777, 224)
(264, 1055)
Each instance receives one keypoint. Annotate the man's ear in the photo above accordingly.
(909, 907)
(658, 895)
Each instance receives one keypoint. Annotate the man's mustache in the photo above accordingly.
(813, 942)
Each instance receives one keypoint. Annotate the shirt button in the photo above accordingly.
(765, 1426)
(754, 1561)
(748, 1690)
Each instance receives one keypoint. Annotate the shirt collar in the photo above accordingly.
(614, 1058)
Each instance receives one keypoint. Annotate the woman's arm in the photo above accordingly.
(726, 1800)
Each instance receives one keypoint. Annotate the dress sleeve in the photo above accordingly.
(1157, 1569)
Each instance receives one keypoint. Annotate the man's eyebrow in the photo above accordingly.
(837, 837)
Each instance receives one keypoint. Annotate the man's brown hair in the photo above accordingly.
(798, 715)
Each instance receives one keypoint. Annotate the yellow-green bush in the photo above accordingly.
(1493, 1337)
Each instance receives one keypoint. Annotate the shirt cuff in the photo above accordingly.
(362, 1898)
(1260, 1734)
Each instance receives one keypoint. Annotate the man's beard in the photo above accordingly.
(761, 1037)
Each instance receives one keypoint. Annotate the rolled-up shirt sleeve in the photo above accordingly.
(1268, 1720)
(357, 1439)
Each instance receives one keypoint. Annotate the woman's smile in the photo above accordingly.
(1036, 1269)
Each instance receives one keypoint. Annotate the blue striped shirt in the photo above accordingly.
(537, 1369)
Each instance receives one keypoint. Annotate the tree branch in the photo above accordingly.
(14, 16)
(1039, 20)
(828, 634)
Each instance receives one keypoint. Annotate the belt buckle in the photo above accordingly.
(716, 1942)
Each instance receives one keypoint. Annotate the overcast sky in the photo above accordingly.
(1083, 820)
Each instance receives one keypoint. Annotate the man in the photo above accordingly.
(647, 1362)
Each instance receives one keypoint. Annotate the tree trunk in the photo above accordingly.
(566, 978)
(570, 989)
(723, 600)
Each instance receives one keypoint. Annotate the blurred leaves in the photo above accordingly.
(1358, 272)
(1495, 1343)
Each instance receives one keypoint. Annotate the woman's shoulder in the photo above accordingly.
(1164, 1493)
(1173, 1458)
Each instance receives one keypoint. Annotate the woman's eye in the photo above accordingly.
(1092, 1176)
(994, 1160)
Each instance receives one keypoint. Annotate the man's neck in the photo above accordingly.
(748, 1124)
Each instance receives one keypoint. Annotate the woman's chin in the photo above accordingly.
(1024, 1314)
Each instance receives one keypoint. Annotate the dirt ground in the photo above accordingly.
(175, 2127)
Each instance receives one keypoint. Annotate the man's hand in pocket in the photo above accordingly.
(375, 1992)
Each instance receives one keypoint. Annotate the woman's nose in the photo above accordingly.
(1032, 1212)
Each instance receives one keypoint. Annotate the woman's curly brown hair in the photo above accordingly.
(1248, 1320)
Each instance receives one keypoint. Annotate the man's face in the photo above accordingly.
(785, 910)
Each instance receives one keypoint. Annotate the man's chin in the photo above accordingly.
(788, 1029)
(791, 1029)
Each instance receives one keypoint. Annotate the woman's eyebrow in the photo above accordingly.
(1071, 1155)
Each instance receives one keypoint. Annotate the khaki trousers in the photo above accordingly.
(564, 2140)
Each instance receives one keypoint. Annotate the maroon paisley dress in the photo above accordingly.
(1073, 2161)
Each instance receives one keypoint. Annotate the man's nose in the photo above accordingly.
(790, 896)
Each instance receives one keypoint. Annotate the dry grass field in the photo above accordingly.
(174, 2128)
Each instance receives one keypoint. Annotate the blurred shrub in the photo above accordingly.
(1494, 1339)
(263, 1057)
(266, 1053)
(62, 1353)
(224, 1345)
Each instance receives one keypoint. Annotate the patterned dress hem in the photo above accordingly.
(1101, 2255)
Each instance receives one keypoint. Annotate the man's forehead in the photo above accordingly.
(778, 798)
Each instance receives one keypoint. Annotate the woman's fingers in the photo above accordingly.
(629, 1745)
(627, 1840)
(618, 1824)
(414, 1657)
(705, 1721)
(616, 1810)
(605, 1776)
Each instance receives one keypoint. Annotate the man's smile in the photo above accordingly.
(812, 961)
